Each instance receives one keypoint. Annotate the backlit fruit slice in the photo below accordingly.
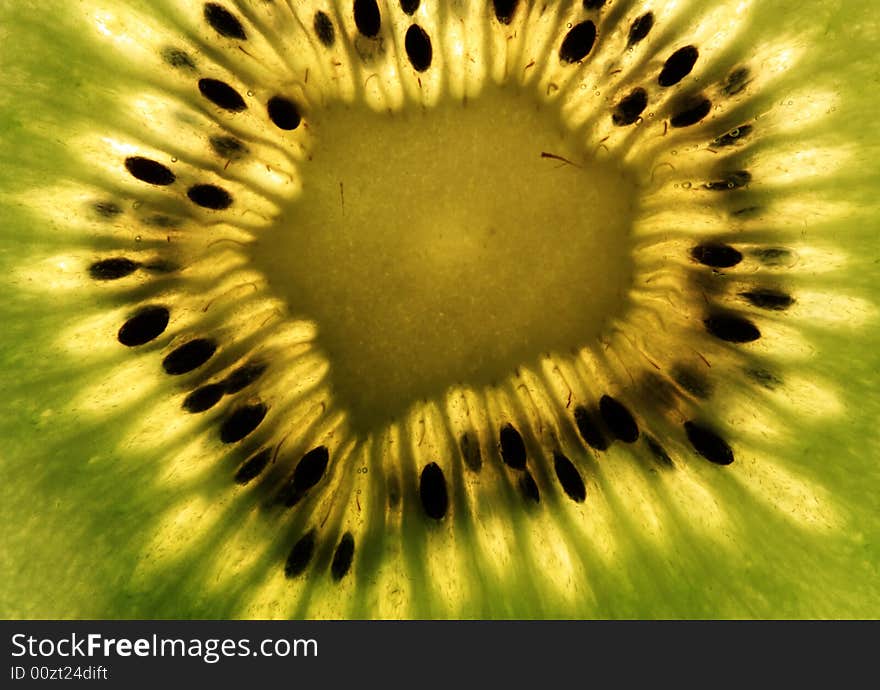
(439, 309)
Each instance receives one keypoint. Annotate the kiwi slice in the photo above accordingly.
(439, 309)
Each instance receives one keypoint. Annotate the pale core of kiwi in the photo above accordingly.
(448, 245)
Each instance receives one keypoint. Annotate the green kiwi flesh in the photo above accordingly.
(497, 309)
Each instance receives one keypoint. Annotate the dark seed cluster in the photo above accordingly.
(228, 147)
(309, 471)
(222, 95)
(342, 557)
(178, 58)
(253, 466)
(207, 396)
(599, 423)
(324, 30)
(149, 171)
(242, 422)
(618, 420)
(630, 107)
(189, 356)
(204, 398)
(409, 6)
(300, 555)
(708, 444)
(209, 196)
(678, 66)
(418, 48)
(578, 42)
(569, 478)
(504, 10)
(224, 22)
(513, 449)
(529, 488)
(113, 269)
(432, 491)
(716, 254)
(640, 28)
(243, 377)
(589, 429)
(283, 112)
(470, 451)
(145, 325)
(367, 18)
(691, 111)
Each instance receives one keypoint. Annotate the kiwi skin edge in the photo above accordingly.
(103, 521)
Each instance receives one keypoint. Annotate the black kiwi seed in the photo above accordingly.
(222, 94)
(593, 4)
(768, 299)
(106, 209)
(640, 28)
(529, 488)
(658, 451)
(418, 48)
(736, 81)
(691, 112)
(243, 376)
(253, 466)
(203, 398)
(618, 419)
(504, 10)
(588, 429)
(708, 444)
(367, 18)
(324, 28)
(209, 196)
(732, 329)
(409, 6)
(432, 491)
(242, 422)
(678, 66)
(578, 42)
(569, 478)
(630, 107)
(113, 269)
(342, 557)
(223, 21)
(716, 255)
(733, 136)
(513, 449)
(470, 451)
(283, 112)
(300, 555)
(178, 58)
(147, 324)
(189, 356)
(149, 171)
(228, 147)
(733, 180)
(310, 469)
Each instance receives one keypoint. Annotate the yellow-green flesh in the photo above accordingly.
(415, 268)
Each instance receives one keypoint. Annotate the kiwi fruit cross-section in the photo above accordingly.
(428, 309)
